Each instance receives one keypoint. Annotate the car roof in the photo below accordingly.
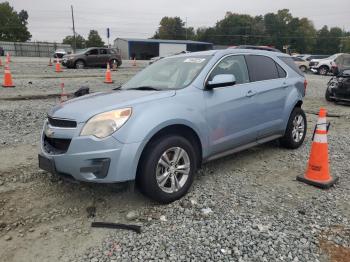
(222, 52)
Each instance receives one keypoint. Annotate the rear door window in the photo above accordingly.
(290, 62)
(261, 68)
(234, 65)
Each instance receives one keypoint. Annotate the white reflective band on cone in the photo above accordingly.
(320, 138)
(322, 124)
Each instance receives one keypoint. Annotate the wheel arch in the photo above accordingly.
(80, 59)
(176, 129)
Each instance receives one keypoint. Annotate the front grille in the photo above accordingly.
(56, 145)
(56, 122)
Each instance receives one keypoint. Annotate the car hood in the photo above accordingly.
(83, 108)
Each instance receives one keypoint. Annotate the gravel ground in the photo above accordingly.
(245, 207)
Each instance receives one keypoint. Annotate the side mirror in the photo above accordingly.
(221, 81)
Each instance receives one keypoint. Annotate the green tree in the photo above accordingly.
(94, 39)
(69, 40)
(13, 25)
(171, 28)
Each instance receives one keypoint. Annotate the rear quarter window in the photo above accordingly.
(261, 68)
(290, 62)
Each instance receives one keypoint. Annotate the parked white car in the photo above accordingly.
(323, 66)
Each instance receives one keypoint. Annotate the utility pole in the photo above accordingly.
(74, 37)
(186, 27)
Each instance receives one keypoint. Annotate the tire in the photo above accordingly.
(303, 68)
(79, 64)
(296, 129)
(323, 71)
(112, 61)
(157, 178)
(328, 95)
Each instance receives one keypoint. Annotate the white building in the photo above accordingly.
(144, 49)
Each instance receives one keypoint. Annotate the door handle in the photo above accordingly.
(251, 93)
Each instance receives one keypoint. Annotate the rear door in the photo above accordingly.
(269, 81)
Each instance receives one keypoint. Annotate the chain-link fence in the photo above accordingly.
(34, 49)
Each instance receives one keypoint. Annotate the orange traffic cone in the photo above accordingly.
(8, 58)
(58, 66)
(7, 78)
(317, 173)
(108, 77)
(50, 62)
(64, 95)
(134, 62)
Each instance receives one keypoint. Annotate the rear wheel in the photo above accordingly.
(323, 70)
(80, 64)
(167, 168)
(112, 62)
(296, 129)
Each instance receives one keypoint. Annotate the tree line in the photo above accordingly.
(273, 29)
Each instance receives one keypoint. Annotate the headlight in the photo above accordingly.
(105, 124)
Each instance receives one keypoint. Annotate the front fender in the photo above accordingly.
(185, 108)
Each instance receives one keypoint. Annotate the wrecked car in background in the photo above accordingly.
(338, 87)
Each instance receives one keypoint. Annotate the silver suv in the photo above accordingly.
(176, 114)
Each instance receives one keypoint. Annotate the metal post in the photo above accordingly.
(74, 38)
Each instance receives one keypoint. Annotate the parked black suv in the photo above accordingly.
(90, 57)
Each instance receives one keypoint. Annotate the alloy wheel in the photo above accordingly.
(173, 169)
(298, 128)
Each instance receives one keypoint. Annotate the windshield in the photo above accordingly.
(169, 73)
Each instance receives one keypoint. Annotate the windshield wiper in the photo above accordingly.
(146, 88)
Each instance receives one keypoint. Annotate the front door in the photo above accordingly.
(92, 57)
(231, 112)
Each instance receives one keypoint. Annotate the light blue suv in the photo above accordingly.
(176, 114)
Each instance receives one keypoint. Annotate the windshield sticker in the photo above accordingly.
(194, 60)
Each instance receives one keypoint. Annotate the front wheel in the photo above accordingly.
(79, 64)
(296, 129)
(167, 168)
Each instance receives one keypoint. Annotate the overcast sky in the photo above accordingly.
(50, 20)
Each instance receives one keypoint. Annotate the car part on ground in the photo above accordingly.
(175, 114)
(338, 88)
